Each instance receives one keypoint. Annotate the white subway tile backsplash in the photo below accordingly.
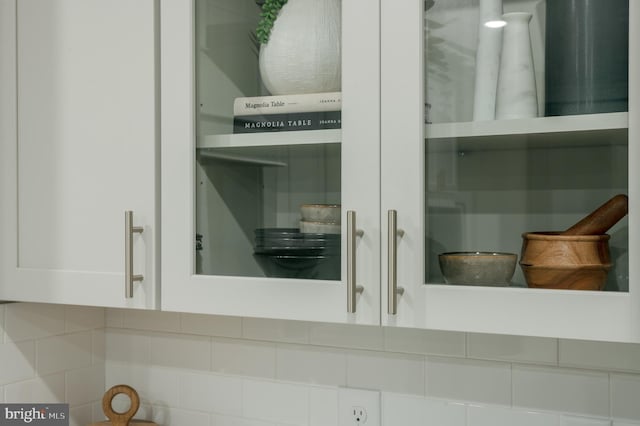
(535, 350)
(237, 421)
(275, 330)
(18, 361)
(323, 406)
(401, 409)
(244, 357)
(468, 380)
(402, 373)
(625, 396)
(33, 321)
(211, 325)
(151, 320)
(145, 412)
(506, 416)
(564, 390)
(153, 384)
(180, 350)
(427, 342)
(177, 417)
(311, 364)
(132, 346)
(441, 413)
(40, 389)
(64, 352)
(275, 402)
(80, 415)
(346, 336)
(600, 355)
(212, 393)
(583, 421)
(159, 385)
(97, 414)
(405, 410)
(81, 318)
(227, 371)
(98, 349)
(84, 385)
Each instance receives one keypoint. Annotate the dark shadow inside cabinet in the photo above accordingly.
(248, 211)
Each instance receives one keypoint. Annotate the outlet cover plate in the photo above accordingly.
(350, 398)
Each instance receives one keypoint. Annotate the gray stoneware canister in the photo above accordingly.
(586, 56)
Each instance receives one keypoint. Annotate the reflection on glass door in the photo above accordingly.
(527, 132)
(268, 160)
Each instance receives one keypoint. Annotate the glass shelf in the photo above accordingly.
(577, 131)
(529, 126)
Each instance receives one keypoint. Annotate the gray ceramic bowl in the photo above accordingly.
(478, 268)
(320, 213)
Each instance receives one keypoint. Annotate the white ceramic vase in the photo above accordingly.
(516, 95)
(303, 52)
(487, 60)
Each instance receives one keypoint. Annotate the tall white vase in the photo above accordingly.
(487, 60)
(517, 96)
(303, 52)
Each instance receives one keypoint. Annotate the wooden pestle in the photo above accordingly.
(601, 219)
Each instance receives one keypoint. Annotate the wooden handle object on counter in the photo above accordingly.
(601, 219)
(120, 419)
(125, 418)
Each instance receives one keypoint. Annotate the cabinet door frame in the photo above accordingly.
(312, 300)
(45, 280)
(562, 313)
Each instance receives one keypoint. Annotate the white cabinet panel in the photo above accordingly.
(455, 184)
(84, 152)
(226, 186)
(461, 185)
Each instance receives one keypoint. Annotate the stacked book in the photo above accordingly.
(310, 111)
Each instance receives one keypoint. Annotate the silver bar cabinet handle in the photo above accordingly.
(392, 269)
(129, 230)
(352, 288)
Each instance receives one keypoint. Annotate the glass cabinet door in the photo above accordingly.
(268, 157)
(523, 130)
(274, 124)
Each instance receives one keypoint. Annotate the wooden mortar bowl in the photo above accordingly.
(576, 262)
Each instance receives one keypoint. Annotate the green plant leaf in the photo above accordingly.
(268, 16)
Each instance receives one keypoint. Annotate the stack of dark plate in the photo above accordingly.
(288, 253)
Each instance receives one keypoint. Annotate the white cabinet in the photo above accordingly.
(478, 185)
(417, 189)
(226, 186)
(79, 148)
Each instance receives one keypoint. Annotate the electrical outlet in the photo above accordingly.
(359, 415)
(358, 407)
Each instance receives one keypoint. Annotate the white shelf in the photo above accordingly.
(576, 131)
(302, 137)
(528, 126)
(231, 158)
